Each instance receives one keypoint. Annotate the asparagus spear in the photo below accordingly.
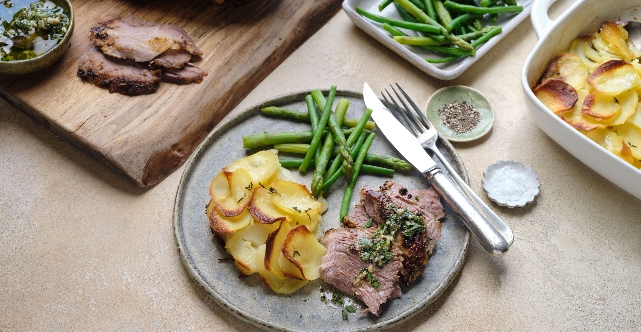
(334, 175)
(482, 10)
(424, 18)
(443, 49)
(347, 197)
(416, 41)
(489, 34)
(397, 23)
(304, 116)
(365, 168)
(317, 135)
(258, 140)
(370, 158)
(351, 140)
(443, 15)
(339, 138)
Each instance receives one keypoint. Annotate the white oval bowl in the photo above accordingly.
(585, 16)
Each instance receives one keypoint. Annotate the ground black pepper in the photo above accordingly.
(461, 116)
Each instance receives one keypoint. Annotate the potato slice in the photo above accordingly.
(227, 225)
(242, 245)
(616, 35)
(612, 142)
(231, 191)
(614, 77)
(303, 249)
(294, 198)
(632, 136)
(277, 284)
(289, 269)
(629, 102)
(556, 95)
(261, 165)
(310, 220)
(263, 209)
(273, 249)
(579, 120)
(635, 119)
(569, 68)
(601, 106)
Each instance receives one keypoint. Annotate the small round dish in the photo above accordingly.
(510, 184)
(455, 94)
(46, 59)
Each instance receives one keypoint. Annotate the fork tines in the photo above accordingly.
(412, 117)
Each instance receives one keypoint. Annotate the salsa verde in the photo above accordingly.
(30, 28)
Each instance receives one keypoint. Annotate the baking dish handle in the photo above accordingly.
(539, 16)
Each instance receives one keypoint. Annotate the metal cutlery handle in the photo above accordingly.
(478, 224)
(500, 226)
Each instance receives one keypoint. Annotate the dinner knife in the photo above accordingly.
(407, 145)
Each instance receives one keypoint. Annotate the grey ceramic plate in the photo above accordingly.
(248, 298)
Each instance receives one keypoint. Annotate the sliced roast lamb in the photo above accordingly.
(190, 73)
(342, 265)
(403, 222)
(118, 75)
(130, 37)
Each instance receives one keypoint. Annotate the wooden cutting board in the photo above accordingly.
(145, 138)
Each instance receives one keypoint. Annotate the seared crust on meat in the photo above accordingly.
(117, 75)
(130, 37)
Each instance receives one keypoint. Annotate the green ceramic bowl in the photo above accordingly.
(44, 60)
(458, 93)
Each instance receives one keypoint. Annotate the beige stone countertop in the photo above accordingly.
(83, 250)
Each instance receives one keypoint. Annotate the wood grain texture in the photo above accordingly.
(145, 138)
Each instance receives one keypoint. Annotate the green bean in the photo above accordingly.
(384, 4)
(462, 19)
(431, 12)
(483, 10)
(317, 135)
(365, 168)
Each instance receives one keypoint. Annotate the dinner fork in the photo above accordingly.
(427, 135)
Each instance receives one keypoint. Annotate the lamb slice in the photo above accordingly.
(358, 217)
(171, 59)
(190, 73)
(130, 37)
(118, 75)
(375, 203)
(425, 201)
(341, 265)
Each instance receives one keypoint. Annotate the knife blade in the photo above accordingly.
(408, 146)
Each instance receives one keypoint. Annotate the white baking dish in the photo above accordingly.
(583, 17)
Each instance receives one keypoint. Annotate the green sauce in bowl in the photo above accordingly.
(29, 28)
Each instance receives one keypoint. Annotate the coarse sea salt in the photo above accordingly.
(510, 183)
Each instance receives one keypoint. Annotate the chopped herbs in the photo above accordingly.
(378, 249)
(344, 314)
(367, 274)
(296, 253)
(250, 186)
(337, 298)
(368, 223)
(350, 308)
(30, 29)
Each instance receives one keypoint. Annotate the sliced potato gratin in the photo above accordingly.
(267, 221)
(595, 88)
